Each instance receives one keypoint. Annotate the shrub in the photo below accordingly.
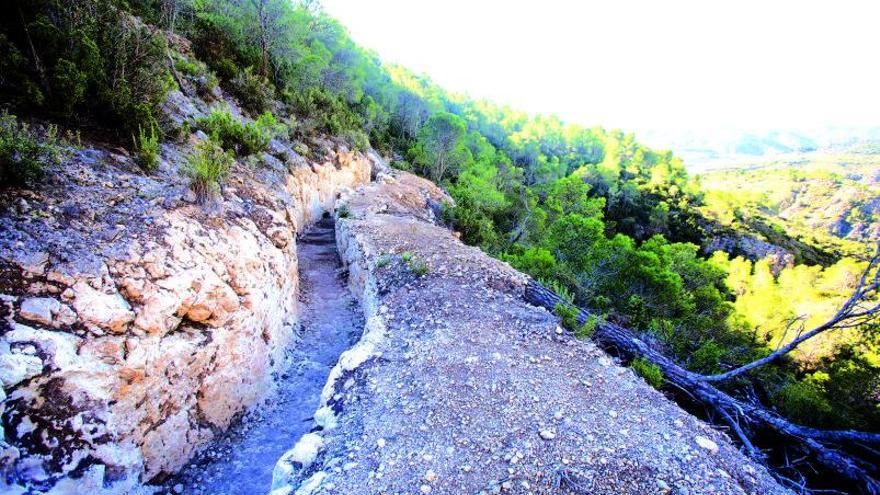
(805, 402)
(197, 72)
(567, 315)
(418, 267)
(24, 154)
(254, 92)
(649, 371)
(357, 139)
(96, 59)
(707, 357)
(243, 138)
(406, 256)
(343, 211)
(587, 330)
(383, 261)
(147, 148)
(207, 168)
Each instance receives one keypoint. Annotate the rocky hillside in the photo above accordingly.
(137, 324)
(816, 207)
(459, 386)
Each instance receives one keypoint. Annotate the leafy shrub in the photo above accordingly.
(805, 402)
(406, 256)
(23, 153)
(383, 261)
(567, 315)
(207, 168)
(254, 92)
(357, 139)
(243, 138)
(587, 330)
(95, 59)
(147, 148)
(649, 371)
(343, 211)
(418, 267)
(197, 72)
(401, 165)
(707, 357)
(332, 113)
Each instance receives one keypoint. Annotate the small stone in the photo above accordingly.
(178, 488)
(707, 444)
(663, 486)
(380, 443)
(547, 435)
(430, 476)
(557, 415)
(39, 309)
(426, 489)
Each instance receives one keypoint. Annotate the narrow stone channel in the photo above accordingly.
(241, 462)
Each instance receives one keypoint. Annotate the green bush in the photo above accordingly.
(23, 153)
(383, 261)
(418, 267)
(567, 314)
(649, 371)
(587, 330)
(243, 138)
(207, 168)
(197, 72)
(343, 211)
(147, 148)
(804, 402)
(254, 92)
(94, 59)
(357, 139)
(332, 113)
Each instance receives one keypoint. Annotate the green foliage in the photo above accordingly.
(24, 154)
(406, 256)
(440, 149)
(239, 136)
(418, 267)
(804, 402)
(567, 314)
(383, 261)
(92, 57)
(358, 140)
(146, 145)
(587, 330)
(342, 211)
(649, 371)
(207, 168)
(253, 91)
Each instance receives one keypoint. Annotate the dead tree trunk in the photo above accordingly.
(825, 446)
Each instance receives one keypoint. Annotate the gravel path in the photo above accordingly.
(241, 462)
(470, 390)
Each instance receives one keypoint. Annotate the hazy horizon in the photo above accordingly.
(641, 65)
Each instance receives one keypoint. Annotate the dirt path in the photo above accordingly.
(241, 462)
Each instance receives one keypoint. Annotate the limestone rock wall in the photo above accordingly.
(134, 324)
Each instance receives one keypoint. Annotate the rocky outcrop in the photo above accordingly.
(460, 386)
(136, 325)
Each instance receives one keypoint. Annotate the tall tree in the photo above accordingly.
(441, 145)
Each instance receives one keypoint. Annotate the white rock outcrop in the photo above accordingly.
(134, 326)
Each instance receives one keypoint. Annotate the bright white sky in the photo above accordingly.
(751, 64)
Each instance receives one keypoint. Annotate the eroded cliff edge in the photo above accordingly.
(134, 324)
(459, 386)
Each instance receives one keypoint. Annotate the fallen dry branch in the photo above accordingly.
(827, 448)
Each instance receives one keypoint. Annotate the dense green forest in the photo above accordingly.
(613, 225)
